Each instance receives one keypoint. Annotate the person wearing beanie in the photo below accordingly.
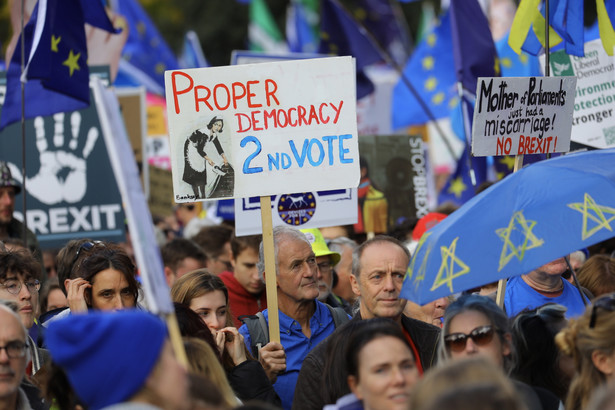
(9, 226)
(118, 361)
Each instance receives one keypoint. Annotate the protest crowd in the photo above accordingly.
(353, 322)
(62, 347)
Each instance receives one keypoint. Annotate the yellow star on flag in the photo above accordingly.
(523, 58)
(496, 66)
(431, 39)
(598, 216)
(457, 187)
(428, 63)
(54, 43)
(438, 98)
(431, 83)
(452, 103)
(71, 62)
(508, 161)
(421, 270)
(506, 62)
(448, 270)
(517, 223)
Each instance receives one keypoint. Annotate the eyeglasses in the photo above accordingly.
(606, 302)
(481, 336)
(15, 349)
(13, 286)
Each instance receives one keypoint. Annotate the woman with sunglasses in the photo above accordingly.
(475, 326)
(590, 341)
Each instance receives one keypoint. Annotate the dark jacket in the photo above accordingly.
(250, 382)
(308, 392)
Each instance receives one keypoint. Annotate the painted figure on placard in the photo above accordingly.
(206, 167)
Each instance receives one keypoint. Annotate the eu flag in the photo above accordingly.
(341, 35)
(516, 65)
(459, 186)
(430, 69)
(56, 75)
(473, 49)
(145, 50)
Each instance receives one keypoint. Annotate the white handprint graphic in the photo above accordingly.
(62, 175)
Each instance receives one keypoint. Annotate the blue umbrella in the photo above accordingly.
(531, 217)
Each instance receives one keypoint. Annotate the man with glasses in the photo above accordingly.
(19, 284)
(326, 260)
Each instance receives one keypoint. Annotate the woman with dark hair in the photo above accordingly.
(205, 294)
(196, 157)
(539, 362)
(476, 326)
(380, 366)
(105, 280)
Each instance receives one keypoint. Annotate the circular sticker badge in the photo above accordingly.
(297, 209)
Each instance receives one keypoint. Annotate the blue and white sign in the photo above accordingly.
(263, 129)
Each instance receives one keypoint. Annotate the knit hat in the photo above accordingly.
(319, 246)
(6, 178)
(106, 356)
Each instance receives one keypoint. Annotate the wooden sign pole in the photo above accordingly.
(271, 285)
(499, 298)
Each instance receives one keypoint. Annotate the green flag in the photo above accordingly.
(263, 33)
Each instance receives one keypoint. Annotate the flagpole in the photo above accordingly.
(390, 61)
(467, 130)
(23, 127)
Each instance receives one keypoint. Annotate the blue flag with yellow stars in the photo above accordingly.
(341, 35)
(473, 49)
(458, 189)
(145, 51)
(431, 70)
(516, 65)
(56, 74)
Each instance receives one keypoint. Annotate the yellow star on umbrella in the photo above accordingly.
(508, 161)
(452, 267)
(71, 62)
(428, 62)
(517, 223)
(598, 215)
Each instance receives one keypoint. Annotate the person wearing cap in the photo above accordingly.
(326, 260)
(304, 321)
(9, 226)
(116, 361)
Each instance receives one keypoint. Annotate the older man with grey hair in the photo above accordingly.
(15, 392)
(304, 321)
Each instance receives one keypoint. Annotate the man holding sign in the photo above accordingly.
(304, 321)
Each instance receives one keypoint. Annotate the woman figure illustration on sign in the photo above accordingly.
(198, 153)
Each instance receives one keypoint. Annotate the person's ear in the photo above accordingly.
(66, 285)
(506, 346)
(603, 362)
(169, 276)
(354, 285)
(353, 384)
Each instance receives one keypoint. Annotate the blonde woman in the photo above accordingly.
(590, 341)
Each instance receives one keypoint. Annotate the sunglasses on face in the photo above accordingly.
(481, 336)
(606, 302)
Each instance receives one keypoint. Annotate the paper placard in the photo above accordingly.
(277, 127)
(522, 115)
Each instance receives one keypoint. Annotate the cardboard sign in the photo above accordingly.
(522, 115)
(71, 190)
(303, 210)
(593, 122)
(263, 129)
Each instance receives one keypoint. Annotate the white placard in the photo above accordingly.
(314, 209)
(593, 121)
(522, 115)
(286, 127)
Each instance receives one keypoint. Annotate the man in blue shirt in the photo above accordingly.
(543, 285)
(304, 321)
